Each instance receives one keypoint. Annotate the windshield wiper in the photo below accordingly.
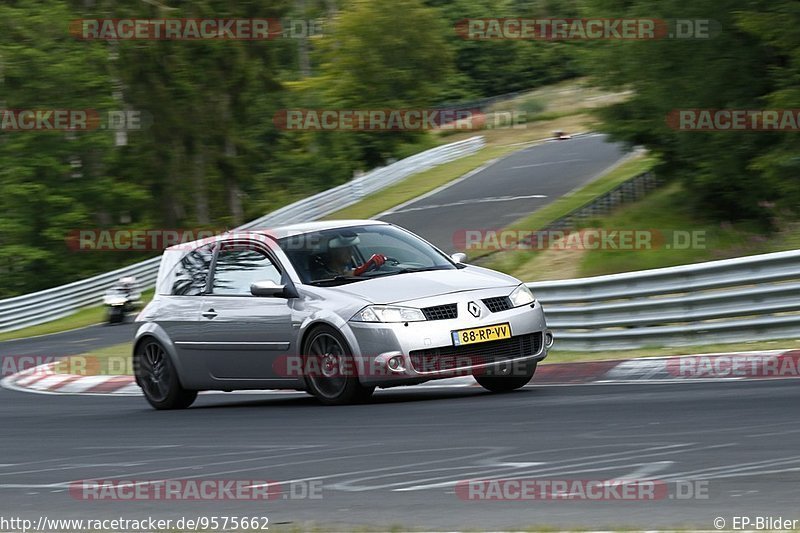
(409, 270)
(335, 280)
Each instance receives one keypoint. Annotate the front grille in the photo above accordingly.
(499, 303)
(440, 312)
(450, 357)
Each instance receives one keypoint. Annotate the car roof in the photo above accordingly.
(280, 232)
(309, 227)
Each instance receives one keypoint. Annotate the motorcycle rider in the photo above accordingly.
(127, 284)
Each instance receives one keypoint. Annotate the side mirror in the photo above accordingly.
(268, 288)
(459, 257)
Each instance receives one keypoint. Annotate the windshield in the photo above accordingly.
(348, 255)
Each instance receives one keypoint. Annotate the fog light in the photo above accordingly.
(548, 339)
(396, 363)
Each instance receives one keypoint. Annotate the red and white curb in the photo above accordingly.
(773, 364)
(45, 379)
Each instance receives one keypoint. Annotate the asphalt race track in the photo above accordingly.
(718, 449)
(71, 342)
(397, 460)
(507, 190)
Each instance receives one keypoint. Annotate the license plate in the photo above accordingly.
(482, 334)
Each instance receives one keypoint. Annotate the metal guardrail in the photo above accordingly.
(332, 200)
(743, 299)
(43, 306)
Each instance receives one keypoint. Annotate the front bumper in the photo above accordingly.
(414, 352)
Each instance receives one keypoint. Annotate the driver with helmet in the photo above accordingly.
(338, 261)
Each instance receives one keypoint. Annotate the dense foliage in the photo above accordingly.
(752, 62)
(211, 155)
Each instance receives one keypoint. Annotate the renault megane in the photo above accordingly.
(332, 308)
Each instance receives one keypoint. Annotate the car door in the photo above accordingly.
(244, 337)
(179, 311)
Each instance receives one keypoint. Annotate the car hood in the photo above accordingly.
(416, 285)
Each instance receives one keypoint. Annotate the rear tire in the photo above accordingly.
(330, 370)
(158, 378)
(493, 382)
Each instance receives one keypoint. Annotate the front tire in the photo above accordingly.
(330, 370)
(158, 378)
(493, 382)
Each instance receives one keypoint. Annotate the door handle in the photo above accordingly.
(210, 314)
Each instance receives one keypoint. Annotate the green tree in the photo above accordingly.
(53, 182)
(494, 67)
(737, 68)
(383, 55)
(776, 25)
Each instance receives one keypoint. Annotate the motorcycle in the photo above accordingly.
(120, 301)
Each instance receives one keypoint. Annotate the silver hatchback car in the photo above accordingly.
(332, 308)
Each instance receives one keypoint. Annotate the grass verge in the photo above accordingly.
(521, 262)
(668, 215)
(679, 235)
(84, 317)
(418, 184)
(87, 316)
(566, 107)
(113, 360)
(426, 181)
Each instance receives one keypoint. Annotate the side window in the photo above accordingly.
(238, 268)
(191, 274)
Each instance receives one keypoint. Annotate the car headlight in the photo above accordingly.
(388, 313)
(522, 295)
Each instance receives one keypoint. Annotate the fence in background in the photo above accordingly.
(628, 191)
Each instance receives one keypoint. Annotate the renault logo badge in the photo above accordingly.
(473, 309)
